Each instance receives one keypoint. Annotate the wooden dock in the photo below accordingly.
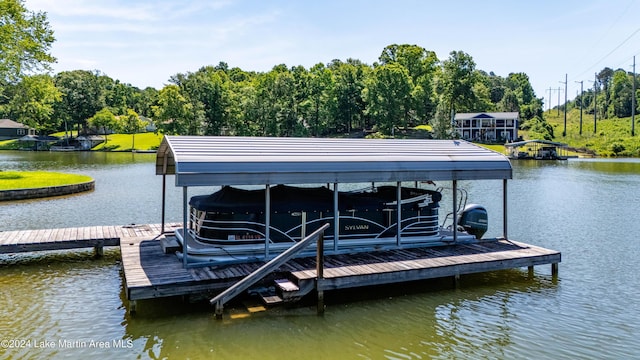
(74, 238)
(152, 271)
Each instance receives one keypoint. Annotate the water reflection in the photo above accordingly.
(584, 208)
(416, 320)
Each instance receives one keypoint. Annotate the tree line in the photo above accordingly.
(407, 86)
(610, 96)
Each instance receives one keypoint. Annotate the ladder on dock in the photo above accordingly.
(267, 268)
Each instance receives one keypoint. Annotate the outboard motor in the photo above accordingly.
(473, 219)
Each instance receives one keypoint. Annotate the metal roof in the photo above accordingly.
(525, 142)
(220, 160)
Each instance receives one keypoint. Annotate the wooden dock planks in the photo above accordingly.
(72, 238)
(150, 273)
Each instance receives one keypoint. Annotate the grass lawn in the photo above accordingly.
(116, 142)
(14, 180)
(497, 148)
(126, 142)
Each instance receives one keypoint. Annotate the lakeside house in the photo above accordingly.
(10, 129)
(487, 126)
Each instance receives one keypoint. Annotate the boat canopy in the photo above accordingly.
(230, 160)
(535, 141)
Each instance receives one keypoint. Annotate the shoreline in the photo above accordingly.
(48, 191)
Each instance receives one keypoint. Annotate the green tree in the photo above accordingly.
(119, 96)
(530, 107)
(208, 89)
(33, 103)
(320, 86)
(605, 80)
(388, 96)
(621, 95)
(422, 65)
(132, 124)
(144, 101)
(348, 108)
(25, 42)
(455, 84)
(174, 113)
(83, 95)
(106, 120)
(509, 102)
(441, 122)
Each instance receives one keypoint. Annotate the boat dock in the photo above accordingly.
(151, 270)
(97, 237)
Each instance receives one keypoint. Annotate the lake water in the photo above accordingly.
(69, 305)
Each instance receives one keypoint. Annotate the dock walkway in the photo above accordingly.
(150, 271)
(19, 241)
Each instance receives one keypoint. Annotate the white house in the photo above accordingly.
(487, 126)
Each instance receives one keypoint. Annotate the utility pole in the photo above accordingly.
(581, 92)
(633, 100)
(595, 101)
(549, 105)
(564, 132)
(558, 101)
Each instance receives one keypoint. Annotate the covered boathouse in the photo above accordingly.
(220, 161)
(217, 161)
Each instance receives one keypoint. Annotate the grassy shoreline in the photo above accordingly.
(611, 138)
(19, 180)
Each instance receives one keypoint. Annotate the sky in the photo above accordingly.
(145, 42)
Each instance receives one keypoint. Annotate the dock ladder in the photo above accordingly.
(242, 285)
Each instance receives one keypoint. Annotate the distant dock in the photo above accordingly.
(151, 270)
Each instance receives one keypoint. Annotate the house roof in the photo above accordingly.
(487, 115)
(10, 124)
(211, 160)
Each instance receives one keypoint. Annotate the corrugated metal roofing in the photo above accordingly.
(219, 160)
(545, 142)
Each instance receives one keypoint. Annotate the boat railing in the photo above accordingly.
(246, 226)
(426, 223)
(421, 223)
(429, 223)
(463, 195)
(242, 285)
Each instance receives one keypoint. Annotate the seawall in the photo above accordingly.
(22, 194)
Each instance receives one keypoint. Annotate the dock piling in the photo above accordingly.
(320, 273)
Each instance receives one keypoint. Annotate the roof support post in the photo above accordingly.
(336, 217)
(455, 211)
(164, 200)
(267, 220)
(504, 208)
(185, 225)
(398, 212)
(164, 189)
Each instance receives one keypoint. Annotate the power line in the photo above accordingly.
(611, 52)
(604, 34)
